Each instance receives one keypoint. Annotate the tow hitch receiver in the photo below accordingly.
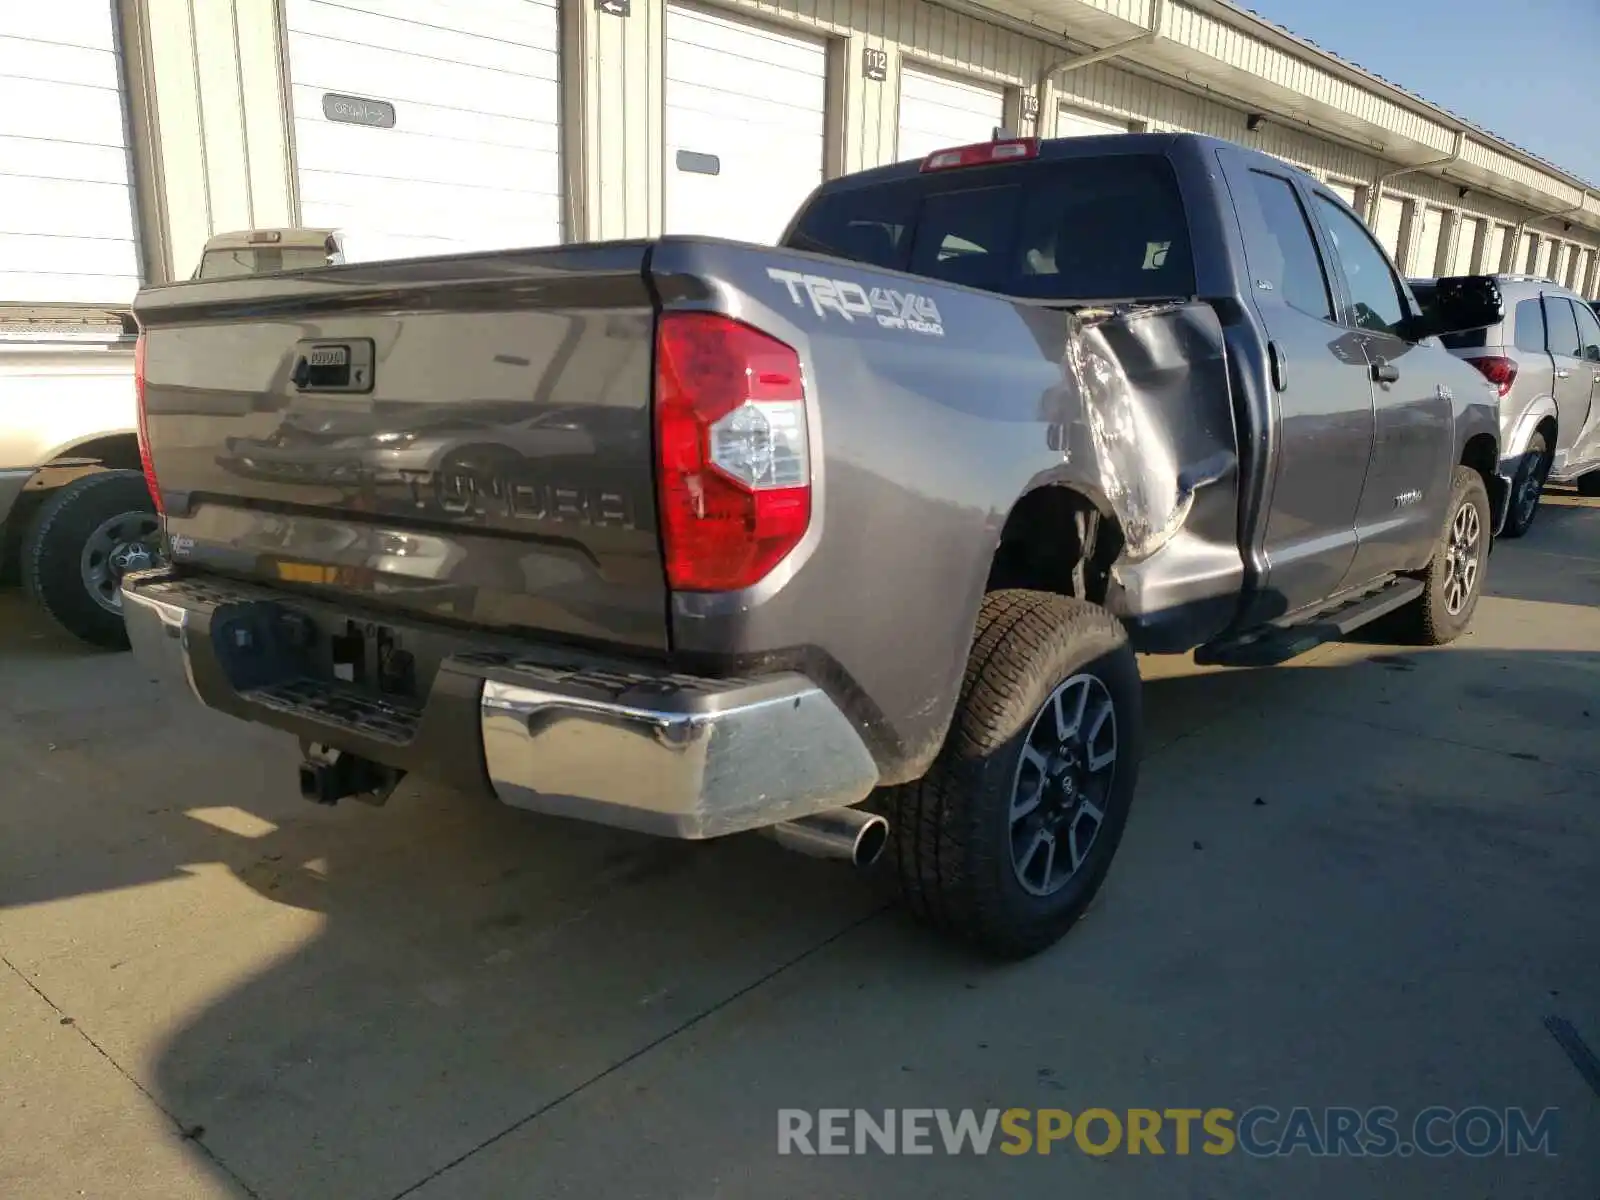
(328, 776)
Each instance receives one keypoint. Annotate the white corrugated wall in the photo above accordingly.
(66, 195)
(224, 131)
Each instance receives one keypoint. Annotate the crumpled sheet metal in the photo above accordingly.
(1154, 389)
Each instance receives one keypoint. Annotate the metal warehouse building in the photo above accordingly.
(131, 130)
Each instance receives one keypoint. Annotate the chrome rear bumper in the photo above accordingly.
(662, 753)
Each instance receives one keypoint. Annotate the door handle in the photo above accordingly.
(1562, 372)
(1280, 367)
(1384, 371)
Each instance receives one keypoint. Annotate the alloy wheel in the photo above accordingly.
(1063, 784)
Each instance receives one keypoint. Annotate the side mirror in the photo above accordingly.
(1459, 303)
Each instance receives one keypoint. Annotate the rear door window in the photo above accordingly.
(1079, 229)
(1530, 326)
(1561, 327)
(1588, 332)
(1293, 264)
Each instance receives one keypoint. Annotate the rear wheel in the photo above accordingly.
(84, 538)
(1453, 581)
(1528, 487)
(1589, 485)
(1007, 839)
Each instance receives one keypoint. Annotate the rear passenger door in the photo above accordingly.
(1586, 443)
(1322, 392)
(1574, 378)
(1407, 490)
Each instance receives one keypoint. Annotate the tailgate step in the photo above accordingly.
(333, 704)
(1274, 644)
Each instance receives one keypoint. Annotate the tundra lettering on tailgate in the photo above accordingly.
(892, 309)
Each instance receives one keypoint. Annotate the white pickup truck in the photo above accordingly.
(75, 514)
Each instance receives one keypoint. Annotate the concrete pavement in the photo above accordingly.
(445, 998)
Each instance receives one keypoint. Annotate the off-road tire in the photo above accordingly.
(951, 830)
(1535, 459)
(52, 551)
(1428, 620)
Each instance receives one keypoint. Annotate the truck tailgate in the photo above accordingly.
(465, 437)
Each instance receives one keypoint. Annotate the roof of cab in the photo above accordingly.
(1062, 149)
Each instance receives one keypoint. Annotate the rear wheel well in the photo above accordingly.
(1548, 427)
(1056, 540)
(1482, 454)
(116, 452)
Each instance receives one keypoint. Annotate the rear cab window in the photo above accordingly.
(1079, 228)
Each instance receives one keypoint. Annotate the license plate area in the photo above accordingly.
(268, 644)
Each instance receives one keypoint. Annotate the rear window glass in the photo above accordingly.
(1530, 326)
(1089, 228)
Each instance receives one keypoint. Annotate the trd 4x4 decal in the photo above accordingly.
(892, 309)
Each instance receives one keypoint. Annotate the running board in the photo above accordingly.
(1273, 644)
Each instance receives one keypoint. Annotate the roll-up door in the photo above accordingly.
(1494, 253)
(1391, 218)
(745, 124)
(939, 111)
(1345, 191)
(66, 203)
(427, 126)
(1073, 122)
(1425, 246)
(1468, 234)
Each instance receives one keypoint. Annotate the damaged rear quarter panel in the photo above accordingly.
(925, 433)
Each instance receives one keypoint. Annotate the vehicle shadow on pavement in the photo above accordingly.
(346, 1002)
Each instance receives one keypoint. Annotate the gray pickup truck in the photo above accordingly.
(851, 540)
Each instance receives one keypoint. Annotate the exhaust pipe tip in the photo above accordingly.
(871, 842)
(848, 833)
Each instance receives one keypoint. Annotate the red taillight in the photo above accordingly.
(1502, 372)
(732, 455)
(1006, 150)
(145, 460)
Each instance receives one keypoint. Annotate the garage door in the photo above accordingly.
(1494, 253)
(1075, 123)
(745, 108)
(939, 111)
(1425, 246)
(1391, 216)
(427, 126)
(1345, 191)
(66, 208)
(1468, 235)
(1527, 255)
